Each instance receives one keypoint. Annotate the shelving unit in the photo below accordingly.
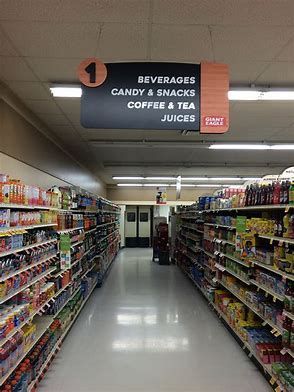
(85, 273)
(17, 250)
(211, 247)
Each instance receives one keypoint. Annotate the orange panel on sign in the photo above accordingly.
(214, 102)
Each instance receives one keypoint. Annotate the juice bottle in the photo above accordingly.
(276, 193)
(286, 192)
(291, 193)
(282, 190)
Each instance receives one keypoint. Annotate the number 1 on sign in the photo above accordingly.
(91, 70)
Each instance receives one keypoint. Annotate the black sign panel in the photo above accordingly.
(144, 96)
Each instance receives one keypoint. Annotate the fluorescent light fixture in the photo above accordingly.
(232, 186)
(277, 96)
(194, 178)
(130, 185)
(208, 185)
(155, 185)
(261, 95)
(226, 179)
(66, 91)
(251, 178)
(239, 147)
(160, 178)
(243, 95)
(282, 147)
(127, 178)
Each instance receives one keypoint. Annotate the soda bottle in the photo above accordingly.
(276, 193)
(291, 193)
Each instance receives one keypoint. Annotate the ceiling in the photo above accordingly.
(43, 41)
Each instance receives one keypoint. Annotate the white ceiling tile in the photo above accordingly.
(287, 54)
(245, 72)
(284, 135)
(187, 43)
(42, 106)
(123, 41)
(6, 49)
(249, 44)
(55, 69)
(265, 109)
(181, 11)
(53, 119)
(29, 90)
(45, 39)
(278, 73)
(15, 68)
(69, 105)
(234, 12)
(75, 10)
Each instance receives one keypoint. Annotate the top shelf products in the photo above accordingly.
(255, 195)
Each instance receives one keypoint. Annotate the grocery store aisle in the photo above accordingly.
(148, 329)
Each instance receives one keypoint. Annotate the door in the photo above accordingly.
(131, 226)
(144, 230)
(138, 226)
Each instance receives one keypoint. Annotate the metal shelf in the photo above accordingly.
(270, 323)
(10, 230)
(225, 269)
(35, 280)
(275, 238)
(253, 208)
(27, 207)
(42, 325)
(17, 250)
(288, 314)
(270, 268)
(267, 290)
(69, 230)
(3, 278)
(235, 259)
(216, 225)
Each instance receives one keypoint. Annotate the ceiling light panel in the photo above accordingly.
(155, 185)
(66, 91)
(239, 147)
(127, 178)
(135, 185)
(208, 185)
(160, 178)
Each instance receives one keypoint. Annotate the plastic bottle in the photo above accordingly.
(291, 193)
(276, 193)
(286, 192)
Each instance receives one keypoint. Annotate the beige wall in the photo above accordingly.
(148, 195)
(23, 141)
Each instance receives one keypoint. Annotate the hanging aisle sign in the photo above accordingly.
(161, 96)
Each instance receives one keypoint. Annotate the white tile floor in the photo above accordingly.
(148, 329)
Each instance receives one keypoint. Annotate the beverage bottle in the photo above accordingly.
(247, 195)
(286, 192)
(291, 226)
(276, 193)
(291, 193)
(263, 195)
(252, 195)
(282, 193)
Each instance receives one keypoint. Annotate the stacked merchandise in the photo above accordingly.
(248, 244)
(55, 247)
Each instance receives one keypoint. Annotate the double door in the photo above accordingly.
(138, 221)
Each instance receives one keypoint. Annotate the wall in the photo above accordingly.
(21, 138)
(147, 196)
(26, 173)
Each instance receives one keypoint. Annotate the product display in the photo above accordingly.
(47, 274)
(243, 265)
